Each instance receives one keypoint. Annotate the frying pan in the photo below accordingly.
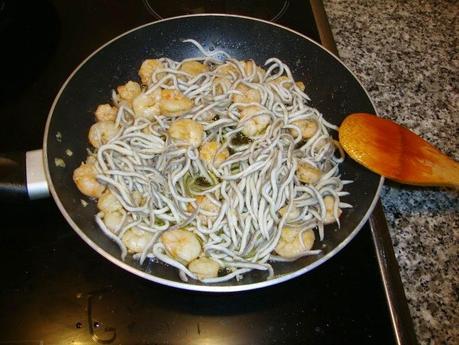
(332, 87)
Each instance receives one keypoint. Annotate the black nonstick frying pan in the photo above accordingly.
(333, 89)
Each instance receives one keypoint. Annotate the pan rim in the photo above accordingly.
(183, 285)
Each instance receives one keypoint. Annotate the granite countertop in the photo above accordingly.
(406, 55)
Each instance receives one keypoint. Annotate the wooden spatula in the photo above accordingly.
(395, 152)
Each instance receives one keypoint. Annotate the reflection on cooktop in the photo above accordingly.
(30, 32)
(264, 9)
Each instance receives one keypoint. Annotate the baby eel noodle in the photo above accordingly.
(271, 191)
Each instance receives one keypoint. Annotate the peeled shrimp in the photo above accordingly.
(293, 214)
(114, 220)
(205, 204)
(183, 245)
(248, 95)
(194, 68)
(204, 268)
(286, 82)
(290, 244)
(102, 132)
(222, 85)
(136, 240)
(149, 66)
(300, 85)
(129, 91)
(249, 66)
(108, 202)
(173, 102)
(147, 105)
(256, 124)
(105, 112)
(137, 198)
(329, 202)
(307, 173)
(85, 179)
(208, 153)
(227, 69)
(187, 131)
(308, 128)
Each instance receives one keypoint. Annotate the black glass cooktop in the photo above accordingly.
(56, 290)
(264, 9)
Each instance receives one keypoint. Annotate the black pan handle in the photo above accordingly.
(22, 176)
(13, 184)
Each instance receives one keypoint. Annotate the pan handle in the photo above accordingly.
(22, 176)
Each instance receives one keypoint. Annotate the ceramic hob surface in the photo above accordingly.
(56, 290)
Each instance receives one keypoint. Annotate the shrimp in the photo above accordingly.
(208, 153)
(181, 244)
(136, 240)
(227, 69)
(187, 131)
(194, 68)
(129, 91)
(85, 179)
(114, 220)
(108, 202)
(102, 132)
(256, 124)
(290, 244)
(249, 66)
(149, 66)
(308, 128)
(204, 268)
(173, 102)
(221, 85)
(307, 173)
(285, 82)
(205, 204)
(105, 112)
(147, 105)
(293, 214)
(138, 198)
(300, 85)
(281, 81)
(248, 95)
(329, 202)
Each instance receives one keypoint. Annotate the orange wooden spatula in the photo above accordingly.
(395, 152)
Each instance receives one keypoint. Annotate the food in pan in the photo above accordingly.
(214, 166)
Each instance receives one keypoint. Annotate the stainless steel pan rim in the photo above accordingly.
(183, 285)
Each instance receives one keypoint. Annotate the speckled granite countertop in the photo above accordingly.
(406, 55)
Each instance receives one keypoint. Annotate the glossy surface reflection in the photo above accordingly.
(264, 9)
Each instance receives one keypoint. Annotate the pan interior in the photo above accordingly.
(334, 91)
